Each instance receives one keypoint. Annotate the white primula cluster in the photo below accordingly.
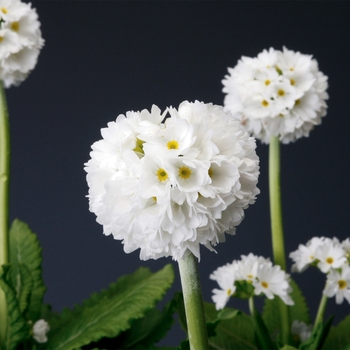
(248, 276)
(20, 41)
(277, 93)
(40, 330)
(332, 258)
(166, 187)
(301, 331)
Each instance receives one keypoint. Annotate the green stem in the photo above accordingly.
(196, 324)
(251, 305)
(4, 202)
(321, 310)
(277, 225)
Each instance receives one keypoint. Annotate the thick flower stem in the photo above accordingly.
(251, 305)
(277, 226)
(196, 324)
(321, 310)
(4, 201)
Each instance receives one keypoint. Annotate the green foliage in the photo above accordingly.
(25, 250)
(236, 332)
(18, 328)
(339, 336)
(149, 330)
(110, 312)
(317, 337)
(299, 311)
(263, 338)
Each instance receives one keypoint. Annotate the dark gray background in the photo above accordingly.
(103, 58)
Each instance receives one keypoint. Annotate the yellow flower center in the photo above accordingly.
(15, 26)
(291, 69)
(250, 276)
(265, 284)
(297, 102)
(329, 260)
(292, 82)
(1, 38)
(229, 291)
(264, 103)
(173, 144)
(3, 10)
(162, 175)
(342, 284)
(185, 172)
(281, 92)
(267, 82)
(210, 172)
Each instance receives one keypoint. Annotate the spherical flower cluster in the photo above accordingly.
(20, 41)
(248, 276)
(167, 187)
(40, 329)
(331, 257)
(277, 93)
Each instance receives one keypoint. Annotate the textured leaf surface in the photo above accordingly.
(18, 328)
(25, 249)
(231, 334)
(299, 311)
(339, 336)
(146, 332)
(110, 312)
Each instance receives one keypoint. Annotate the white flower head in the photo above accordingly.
(338, 284)
(301, 330)
(277, 93)
(330, 254)
(40, 329)
(20, 41)
(225, 277)
(305, 255)
(248, 276)
(271, 281)
(168, 187)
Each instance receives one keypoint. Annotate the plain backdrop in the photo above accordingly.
(103, 58)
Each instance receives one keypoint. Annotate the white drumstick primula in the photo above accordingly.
(20, 41)
(168, 186)
(277, 93)
(248, 276)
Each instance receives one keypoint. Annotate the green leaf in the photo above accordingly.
(25, 249)
(317, 337)
(110, 312)
(288, 347)
(18, 329)
(232, 333)
(339, 336)
(147, 331)
(299, 311)
(262, 333)
(22, 282)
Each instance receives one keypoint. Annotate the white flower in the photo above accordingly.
(338, 284)
(40, 329)
(169, 187)
(301, 330)
(20, 41)
(330, 254)
(251, 271)
(225, 277)
(305, 254)
(277, 94)
(271, 281)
